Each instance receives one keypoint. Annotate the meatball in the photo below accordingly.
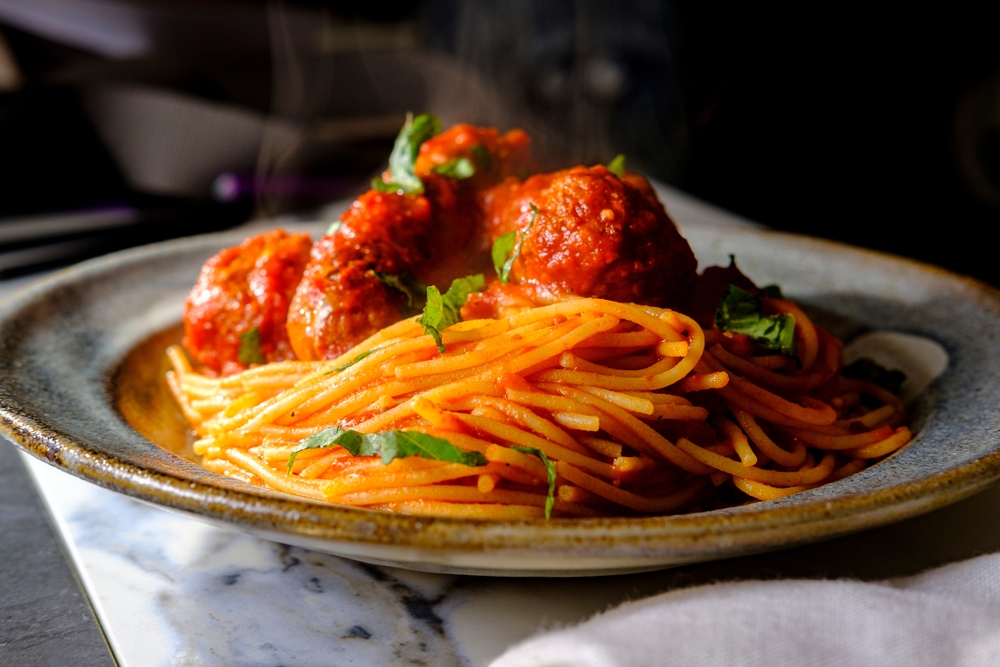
(343, 297)
(495, 156)
(461, 244)
(241, 290)
(594, 235)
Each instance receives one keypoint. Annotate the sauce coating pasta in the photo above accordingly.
(641, 411)
(575, 385)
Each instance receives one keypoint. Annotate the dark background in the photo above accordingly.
(876, 127)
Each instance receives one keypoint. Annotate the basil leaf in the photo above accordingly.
(412, 288)
(772, 292)
(460, 168)
(482, 156)
(550, 470)
(403, 159)
(441, 310)
(354, 360)
(391, 445)
(520, 242)
(866, 369)
(502, 248)
(366, 444)
(250, 352)
(740, 312)
(459, 292)
(433, 316)
(505, 252)
(401, 444)
(381, 185)
(357, 444)
(617, 166)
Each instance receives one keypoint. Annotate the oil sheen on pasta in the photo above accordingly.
(594, 381)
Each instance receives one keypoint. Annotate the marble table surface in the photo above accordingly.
(168, 590)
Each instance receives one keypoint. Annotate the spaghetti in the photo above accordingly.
(586, 407)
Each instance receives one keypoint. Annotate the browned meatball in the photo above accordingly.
(460, 244)
(240, 290)
(341, 299)
(495, 156)
(595, 235)
(434, 237)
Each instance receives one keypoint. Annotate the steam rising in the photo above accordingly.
(586, 80)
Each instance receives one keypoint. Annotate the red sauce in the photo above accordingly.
(595, 235)
(240, 289)
(341, 300)
(506, 155)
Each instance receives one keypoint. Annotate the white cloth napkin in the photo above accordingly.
(947, 616)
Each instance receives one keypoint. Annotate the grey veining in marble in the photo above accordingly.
(213, 597)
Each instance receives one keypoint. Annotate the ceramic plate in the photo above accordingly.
(63, 343)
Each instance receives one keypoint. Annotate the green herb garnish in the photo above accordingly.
(867, 369)
(482, 156)
(406, 283)
(250, 351)
(740, 312)
(460, 168)
(770, 291)
(503, 248)
(356, 443)
(550, 470)
(441, 310)
(403, 159)
(617, 166)
(334, 227)
(391, 445)
(401, 444)
(353, 361)
(505, 251)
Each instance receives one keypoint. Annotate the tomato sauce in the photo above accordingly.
(593, 234)
(242, 289)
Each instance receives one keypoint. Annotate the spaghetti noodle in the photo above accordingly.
(587, 407)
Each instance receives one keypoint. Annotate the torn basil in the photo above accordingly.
(403, 159)
(741, 312)
(390, 445)
(412, 289)
(617, 166)
(250, 351)
(356, 443)
(507, 248)
(460, 168)
(550, 471)
(867, 369)
(442, 310)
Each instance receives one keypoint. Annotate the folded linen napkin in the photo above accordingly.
(946, 616)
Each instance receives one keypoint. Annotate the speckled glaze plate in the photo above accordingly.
(64, 340)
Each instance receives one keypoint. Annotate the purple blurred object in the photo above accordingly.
(230, 186)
